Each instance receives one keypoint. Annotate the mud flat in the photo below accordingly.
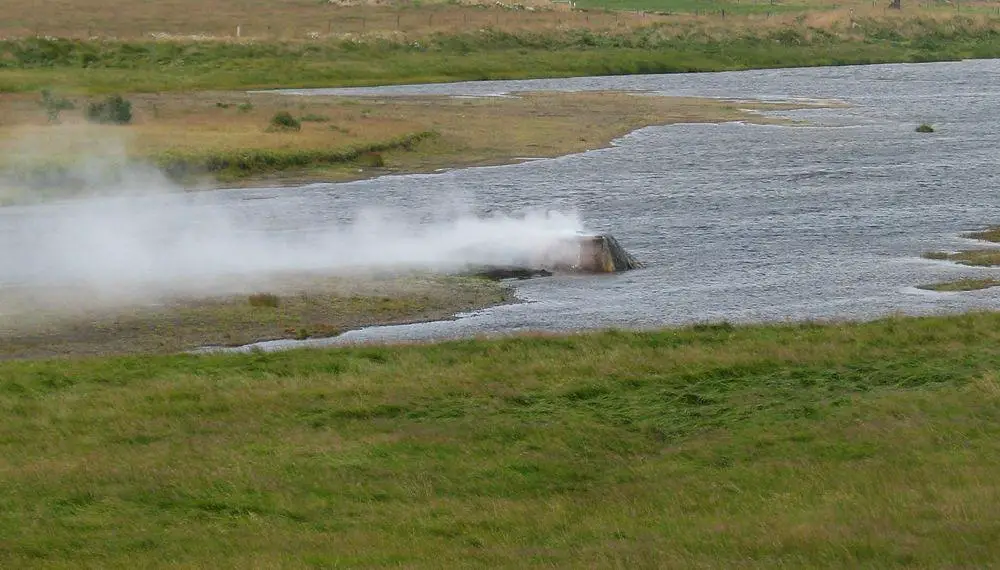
(72, 323)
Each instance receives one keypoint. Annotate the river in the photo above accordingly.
(825, 220)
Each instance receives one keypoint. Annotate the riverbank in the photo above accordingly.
(102, 66)
(45, 322)
(808, 445)
(205, 139)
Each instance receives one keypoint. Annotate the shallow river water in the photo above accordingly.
(735, 222)
(751, 223)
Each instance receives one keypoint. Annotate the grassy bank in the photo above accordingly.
(151, 66)
(206, 137)
(45, 322)
(810, 446)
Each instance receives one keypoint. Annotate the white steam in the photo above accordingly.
(143, 238)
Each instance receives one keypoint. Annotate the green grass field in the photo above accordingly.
(100, 66)
(857, 445)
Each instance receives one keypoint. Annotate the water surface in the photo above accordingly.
(736, 222)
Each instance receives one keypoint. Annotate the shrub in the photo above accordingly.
(264, 300)
(284, 121)
(925, 128)
(54, 105)
(113, 110)
(372, 159)
(245, 107)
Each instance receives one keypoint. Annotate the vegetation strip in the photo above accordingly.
(237, 163)
(712, 446)
(973, 257)
(151, 66)
(206, 138)
(288, 307)
(961, 285)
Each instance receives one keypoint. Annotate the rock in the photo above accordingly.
(603, 254)
(589, 254)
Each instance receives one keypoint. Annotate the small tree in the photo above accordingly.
(114, 110)
(54, 105)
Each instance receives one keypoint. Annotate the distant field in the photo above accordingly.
(305, 19)
(732, 7)
(290, 19)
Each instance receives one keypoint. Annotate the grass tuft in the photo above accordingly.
(264, 300)
(284, 121)
(925, 128)
(113, 110)
(961, 285)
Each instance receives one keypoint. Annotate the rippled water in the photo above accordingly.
(736, 222)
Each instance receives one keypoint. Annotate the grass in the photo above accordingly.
(43, 323)
(199, 135)
(476, 52)
(731, 8)
(989, 234)
(264, 300)
(973, 257)
(842, 445)
(961, 285)
(180, 20)
(925, 128)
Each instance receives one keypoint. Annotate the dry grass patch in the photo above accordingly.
(469, 131)
(180, 20)
(293, 307)
(290, 19)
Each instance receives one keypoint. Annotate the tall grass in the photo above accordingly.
(181, 165)
(487, 54)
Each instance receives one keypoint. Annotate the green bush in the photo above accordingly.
(372, 159)
(54, 105)
(284, 121)
(114, 110)
(264, 300)
(925, 128)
